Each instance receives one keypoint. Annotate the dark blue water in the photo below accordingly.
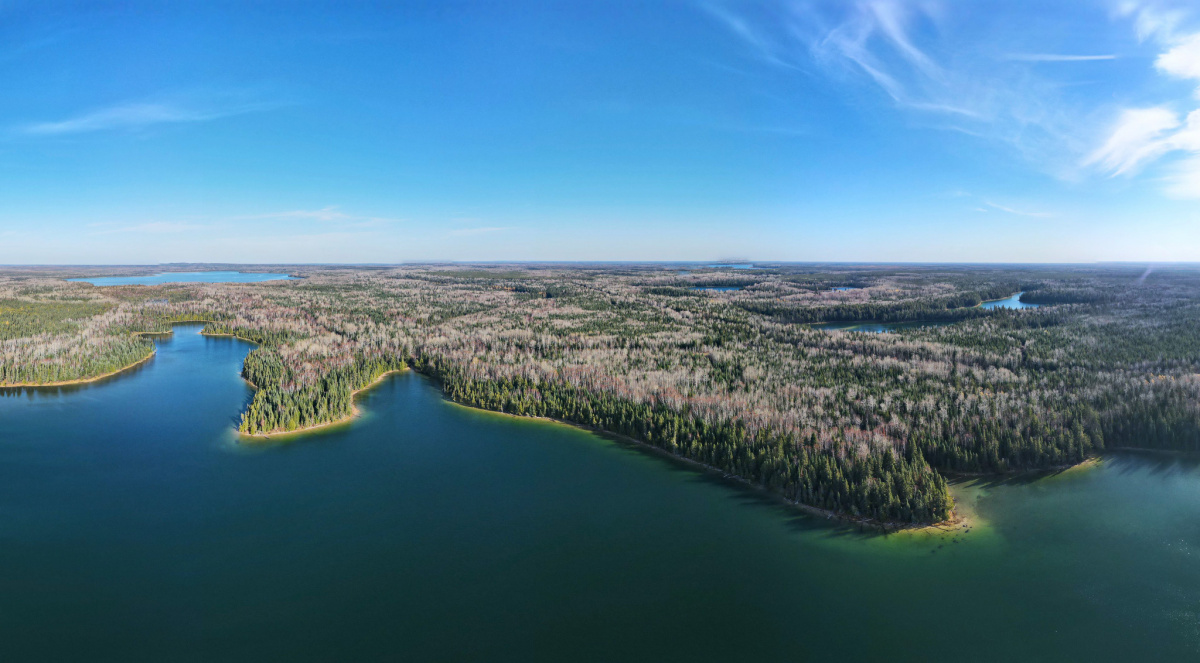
(185, 277)
(718, 288)
(133, 527)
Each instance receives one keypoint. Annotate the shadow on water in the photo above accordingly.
(738, 490)
(1122, 461)
(235, 419)
(747, 495)
(1156, 462)
(66, 389)
(998, 480)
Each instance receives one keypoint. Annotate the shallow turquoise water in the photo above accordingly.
(134, 527)
(185, 277)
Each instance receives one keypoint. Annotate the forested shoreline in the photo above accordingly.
(882, 487)
(864, 425)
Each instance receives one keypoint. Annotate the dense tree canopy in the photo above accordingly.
(738, 379)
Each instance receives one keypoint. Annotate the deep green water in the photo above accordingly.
(186, 277)
(134, 528)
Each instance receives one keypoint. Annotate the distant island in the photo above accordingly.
(745, 371)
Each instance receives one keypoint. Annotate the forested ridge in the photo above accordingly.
(856, 423)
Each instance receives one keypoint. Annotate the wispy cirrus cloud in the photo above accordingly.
(330, 214)
(908, 50)
(1142, 136)
(941, 76)
(123, 116)
(1010, 210)
(153, 227)
(135, 116)
(467, 232)
(1056, 57)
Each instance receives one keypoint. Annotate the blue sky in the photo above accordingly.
(669, 130)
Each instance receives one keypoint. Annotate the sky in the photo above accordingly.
(804, 130)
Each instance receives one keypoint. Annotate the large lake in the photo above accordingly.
(185, 277)
(133, 526)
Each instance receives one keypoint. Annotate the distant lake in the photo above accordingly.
(843, 287)
(718, 288)
(186, 277)
(134, 527)
(1011, 302)
(731, 266)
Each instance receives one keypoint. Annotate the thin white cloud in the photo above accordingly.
(1183, 179)
(329, 214)
(1139, 136)
(1152, 20)
(134, 116)
(125, 116)
(466, 232)
(153, 227)
(1182, 60)
(1002, 208)
(892, 19)
(906, 50)
(1056, 57)
(760, 43)
(1143, 136)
